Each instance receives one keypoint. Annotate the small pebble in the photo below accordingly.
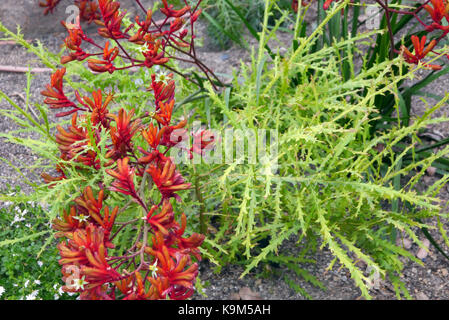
(423, 252)
(431, 171)
(444, 272)
(421, 296)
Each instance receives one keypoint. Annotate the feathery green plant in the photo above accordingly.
(332, 187)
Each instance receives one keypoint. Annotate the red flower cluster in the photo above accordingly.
(159, 264)
(439, 15)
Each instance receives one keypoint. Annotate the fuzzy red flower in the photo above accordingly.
(56, 99)
(122, 134)
(420, 52)
(105, 65)
(170, 12)
(49, 5)
(74, 143)
(167, 179)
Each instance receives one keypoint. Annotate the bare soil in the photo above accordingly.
(424, 282)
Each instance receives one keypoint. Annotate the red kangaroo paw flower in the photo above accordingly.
(163, 220)
(104, 65)
(153, 136)
(56, 98)
(420, 52)
(112, 19)
(73, 144)
(169, 12)
(98, 108)
(124, 178)
(49, 5)
(73, 43)
(327, 4)
(163, 88)
(122, 134)
(167, 179)
(88, 10)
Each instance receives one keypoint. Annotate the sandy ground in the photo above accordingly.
(428, 282)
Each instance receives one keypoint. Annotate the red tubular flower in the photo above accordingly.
(202, 140)
(164, 113)
(124, 175)
(420, 52)
(73, 42)
(122, 134)
(56, 98)
(153, 136)
(49, 5)
(152, 54)
(49, 179)
(87, 249)
(88, 10)
(138, 37)
(188, 245)
(164, 89)
(439, 11)
(327, 4)
(73, 144)
(163, 220)
(93, 207)
(167, 179)
(98, 108)
(111, 19)
(169, 12)
(104, 65)
(70, 222)
(180, 278)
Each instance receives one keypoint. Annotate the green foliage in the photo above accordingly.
(331, 186)
(26, 271)
(227, 19)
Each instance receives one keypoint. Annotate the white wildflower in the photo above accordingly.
(40, 263)
(32, 295)
(37, 282)
(26, 283)
(2, 290)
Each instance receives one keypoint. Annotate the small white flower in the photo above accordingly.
(2, 290)
(40, 263)
(153, 269)
(60, 291)
(32, 295)
(37, 282)
(79, 283)
(26, 283)
(56, 297)
(81, 218)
